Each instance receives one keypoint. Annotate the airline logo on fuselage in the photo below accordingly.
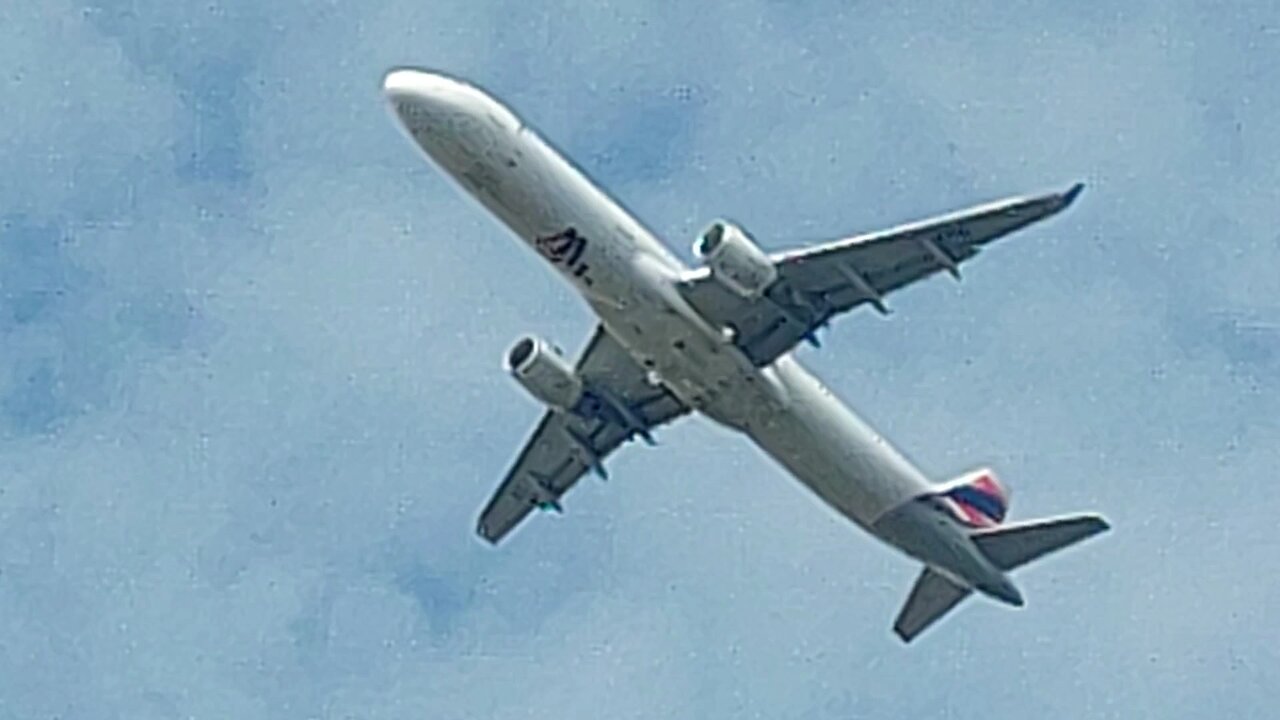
(565, 248)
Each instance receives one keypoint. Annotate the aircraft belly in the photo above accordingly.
(783, 408)
(832, 451)
(677, 353)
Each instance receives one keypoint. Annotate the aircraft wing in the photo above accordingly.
(564, 446)
(816, 283)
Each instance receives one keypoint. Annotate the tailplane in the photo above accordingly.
(1014, 545)
(932, 597)
(1007, 547)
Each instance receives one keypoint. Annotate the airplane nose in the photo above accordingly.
(439, 94)
(450, 119)
(428, 89)
(406, 90)
(426, 105)
(425, 99)
(395, 81)
(407, 82)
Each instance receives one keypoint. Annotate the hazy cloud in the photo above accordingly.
(251, 400)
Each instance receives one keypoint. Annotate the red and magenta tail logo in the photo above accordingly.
(978, 501)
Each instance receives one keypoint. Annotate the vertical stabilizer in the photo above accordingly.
(977, 499)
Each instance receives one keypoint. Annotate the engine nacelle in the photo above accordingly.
(545, 373)
(735, 260)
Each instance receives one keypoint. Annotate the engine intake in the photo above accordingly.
(735, 260)
(545, 373)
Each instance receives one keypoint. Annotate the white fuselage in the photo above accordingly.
(629, 279)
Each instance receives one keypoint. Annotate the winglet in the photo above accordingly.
(1070, 196)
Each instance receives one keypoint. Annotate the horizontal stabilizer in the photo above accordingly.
(1011, 546)
(1007, 547)
(932, 597)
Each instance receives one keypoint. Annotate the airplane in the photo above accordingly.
(719, 340)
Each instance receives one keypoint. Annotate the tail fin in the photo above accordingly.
(1011, 546)
(1007, 547)
(977, 499)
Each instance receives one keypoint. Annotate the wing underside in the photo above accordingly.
(564, 446)
(819, 282)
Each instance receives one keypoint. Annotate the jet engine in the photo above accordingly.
(735, 260)
(545, 373)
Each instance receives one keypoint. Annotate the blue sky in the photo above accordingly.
(251, 396)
